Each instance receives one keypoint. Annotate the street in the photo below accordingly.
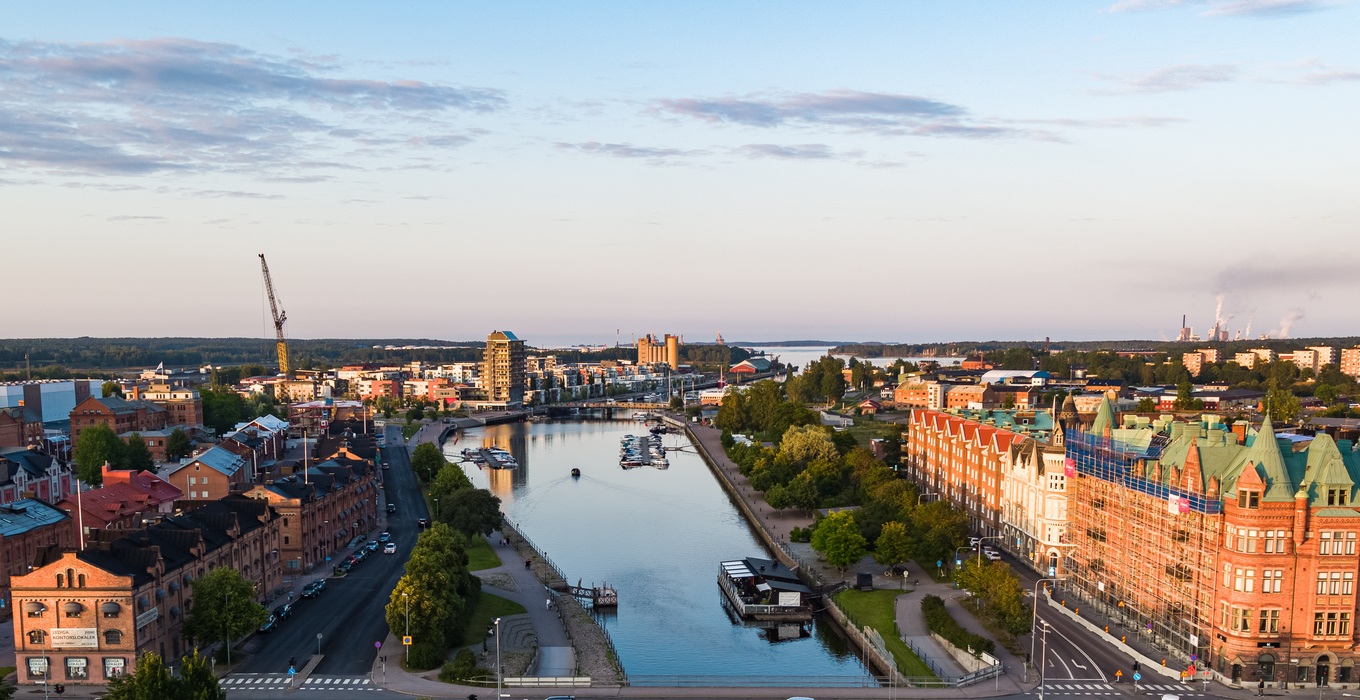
(349, 613)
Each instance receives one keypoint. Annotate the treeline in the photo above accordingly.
(83, 355)
(965, 348)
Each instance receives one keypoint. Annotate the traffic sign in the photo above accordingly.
(406, 641)
(377, 645)
(1137, 676)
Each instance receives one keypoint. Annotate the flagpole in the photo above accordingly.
(80, 512)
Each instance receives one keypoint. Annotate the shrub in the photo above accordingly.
(939, 621)
(463, 666)
(727, 440)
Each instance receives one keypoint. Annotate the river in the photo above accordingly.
(657, 537)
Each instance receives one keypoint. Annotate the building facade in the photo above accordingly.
(659, 351)
(121, 416)
(1240, 556)
(503, 368)
(960, 461)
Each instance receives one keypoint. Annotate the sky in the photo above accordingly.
(581, 172)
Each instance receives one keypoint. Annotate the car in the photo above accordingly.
(391, 507)
(344, 567)
(283, 612)
(372, 545)
(391, 548)
(314, 588)
(269, 624)
(991, 554)
(384, 536)
(423, 522)
(360, 555)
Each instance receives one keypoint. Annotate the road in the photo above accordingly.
(349, 613)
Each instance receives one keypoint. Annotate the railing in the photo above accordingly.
(507, 523)
(677, 681)
(753, 609)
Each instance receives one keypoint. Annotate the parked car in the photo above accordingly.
(360, 555)
(283, 612)
(344, 567)
(391, 548)
(991, 554)
(423, 522)
(314, 588)
(391, 507)
(384, 536)
(269, 624)
(372, 545)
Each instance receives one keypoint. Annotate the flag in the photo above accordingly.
(160, 366)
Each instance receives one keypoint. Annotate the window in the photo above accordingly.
(1318, 624)
(1335, 584)
(1350, 543)
(1270, 622)
(1274, 541)
(1271, 580)
(1241, 620)
(1248, 499)
(77, 668)
(1336, 497)
(1325, 543)
(113, 637)
(1347, 583)
(1322, 583)
(1344, 625)
(37, 637)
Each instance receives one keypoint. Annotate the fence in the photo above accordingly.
(552, 566)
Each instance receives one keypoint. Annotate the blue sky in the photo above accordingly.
(894, 171)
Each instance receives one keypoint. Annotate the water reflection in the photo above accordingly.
(657, 537)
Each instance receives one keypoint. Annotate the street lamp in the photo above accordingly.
(498, 658)
(47, 667)
(1044, 652)
(226, 635)
(1034, 621)
(406, 599)
(980, 540)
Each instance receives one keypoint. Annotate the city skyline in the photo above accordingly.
(767, 171)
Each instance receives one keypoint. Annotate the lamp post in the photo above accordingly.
(407, 600)
(1034, 621)
(435, 515)
(980, 540)
(226, 635)
(498, 658)
(47, 666)
(1041, 665)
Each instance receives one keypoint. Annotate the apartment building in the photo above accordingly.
(961, 461)
(1349, 363)
(210, 475)
(82, 617)
(1238, 558)
(503, 368)
(321, 509)
(121, 416)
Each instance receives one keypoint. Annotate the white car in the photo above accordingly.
(391, 548)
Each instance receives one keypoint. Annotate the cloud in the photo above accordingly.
(874, 112)
(624, 150)
(1228, 8)
(1288, 275)
(1106, 123)
(135, 107)
(807, 151)
(1314, 72)
(1177, 78)
(135, 218)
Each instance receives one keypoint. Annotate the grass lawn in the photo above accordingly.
(875, 609)
(489, 607)
(480, 555)
(409, 429)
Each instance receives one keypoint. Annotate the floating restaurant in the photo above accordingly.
(764, 589)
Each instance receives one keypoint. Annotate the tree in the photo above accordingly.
(96, 446)
(1281, 404)
(137, 455)
(893, 545)
(222, 408)
(1145, 405)
(427, 460)
(196, 679)
(178, 444)
(939, 529)
(838, 539)
(435, 597)
(224, 607)
(111, 388)
(149, 680)
(804, 444)
(1185, 396)
(449, 480)
(471, 511)
(1327, 394)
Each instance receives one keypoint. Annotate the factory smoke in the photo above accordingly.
(1287, 323)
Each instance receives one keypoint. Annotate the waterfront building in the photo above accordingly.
(503, 369)
(1241, 556)
(959, 458)
(1034, 498)
(654, 351)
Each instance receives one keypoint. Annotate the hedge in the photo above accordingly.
(939, 621)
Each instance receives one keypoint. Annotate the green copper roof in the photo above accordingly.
(1338, 513)
(1104, 417)
(1265, 454)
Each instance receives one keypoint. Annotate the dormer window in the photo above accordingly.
(1248, 499)
(1336, 497)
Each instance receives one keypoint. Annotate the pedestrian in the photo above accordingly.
(547, 604)
(526, 563)
(1261, 687)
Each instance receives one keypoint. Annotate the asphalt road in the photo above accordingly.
(349, 613)
(1074, 653)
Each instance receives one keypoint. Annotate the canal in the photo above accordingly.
(655, 535)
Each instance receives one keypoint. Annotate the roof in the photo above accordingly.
(501, 335)
(996, 376)
(219, 458)
(27, 514)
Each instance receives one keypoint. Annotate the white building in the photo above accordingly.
(1034, 503)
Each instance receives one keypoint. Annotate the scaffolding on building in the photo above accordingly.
(1144, 542)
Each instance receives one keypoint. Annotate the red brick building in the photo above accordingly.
(27, 527)
(83, 617)
(20, 427)
(321, 509)
(210, 475)
(121, 416)
(1242, 555)
(125, 499)
(961, 461)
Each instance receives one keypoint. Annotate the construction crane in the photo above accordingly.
(279, 318)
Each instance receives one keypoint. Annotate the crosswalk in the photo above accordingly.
(280, 681)
(1088, 688)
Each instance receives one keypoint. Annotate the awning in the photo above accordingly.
(143, 603)
(174, 611)
(174, 586)
(34, 607)
(160, 594)
(72, 608)
(110, 608)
